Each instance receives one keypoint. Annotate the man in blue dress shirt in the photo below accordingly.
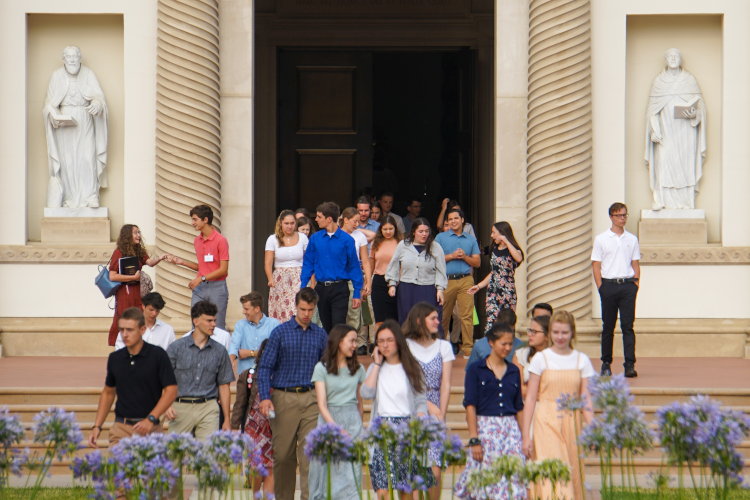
(287, 364)
(250, 332)
(332, 258)
(461, 254)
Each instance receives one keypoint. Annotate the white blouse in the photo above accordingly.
(287, 256)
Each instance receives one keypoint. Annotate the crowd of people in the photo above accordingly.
(348, 285)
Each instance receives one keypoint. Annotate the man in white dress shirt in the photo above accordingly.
(157, 332)
(616, 257)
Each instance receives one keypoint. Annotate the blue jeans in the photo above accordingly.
(215, 292)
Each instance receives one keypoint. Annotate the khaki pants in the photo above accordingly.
(198, 419)
(456, 293)
(364, 331)
(296, 416)
(121, 431)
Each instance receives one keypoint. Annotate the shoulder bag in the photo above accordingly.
(105, 285)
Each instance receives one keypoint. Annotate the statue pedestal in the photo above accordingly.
(673, 227)
(73, 226)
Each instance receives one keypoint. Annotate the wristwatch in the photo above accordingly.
(474, 442)
(203, 279)
(152, 419)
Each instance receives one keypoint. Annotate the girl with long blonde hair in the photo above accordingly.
(285, 250)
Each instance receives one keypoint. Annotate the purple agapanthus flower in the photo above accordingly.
(571, 402)
(11, 429)
(58, 428)
(328, 441)
(610, 392)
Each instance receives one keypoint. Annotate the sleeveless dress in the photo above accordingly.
(501, 290)
(555, 431)
(433, 375)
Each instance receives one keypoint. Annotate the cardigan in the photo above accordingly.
(410, 266)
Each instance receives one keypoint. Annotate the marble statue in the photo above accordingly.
(675, 136)
(75, 119)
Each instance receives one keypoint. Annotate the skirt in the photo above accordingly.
(259, 429)
(410, 294)
(343, 479)
(399, 469)
(499, 436)
(384, 306)
(281, 304)
(127, 296)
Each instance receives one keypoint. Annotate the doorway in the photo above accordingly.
(354, 121)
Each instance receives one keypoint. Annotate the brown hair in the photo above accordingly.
(379, 238)
(542, 321)
(306, 294)
(409, 239)
(127, 246)
(616, 207)
(133, 313)
(255, 299)
(565, 318)
(331, 354)
(505, 230)
(329, 209)
(279, 231)
(348, 213)
(203, 212)
(414, 327)
(304, 221)
(411, 366)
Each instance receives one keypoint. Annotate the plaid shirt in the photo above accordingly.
(290, 356)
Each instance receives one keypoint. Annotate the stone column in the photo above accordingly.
(188, 131)
(559, 155)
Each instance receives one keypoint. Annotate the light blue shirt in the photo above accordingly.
(450, 242)
(248, 335)
(482, 349)
(372, 225)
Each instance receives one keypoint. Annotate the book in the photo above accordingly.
(66, 121)
(129, 266)
(689, 107)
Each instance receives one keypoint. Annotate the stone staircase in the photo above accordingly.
(27, 402)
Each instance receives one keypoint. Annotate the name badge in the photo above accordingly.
(208, 258)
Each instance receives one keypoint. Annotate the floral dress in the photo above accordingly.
(433, 375)
(501, 291)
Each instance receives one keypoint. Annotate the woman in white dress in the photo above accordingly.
(285, 250)
(538, 332)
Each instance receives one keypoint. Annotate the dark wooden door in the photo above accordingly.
(325, 127)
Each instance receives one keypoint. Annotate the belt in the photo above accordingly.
(458, 276)
(193, 400)
(128, 421)
(329, 283)
(619, 281)
(298, 390)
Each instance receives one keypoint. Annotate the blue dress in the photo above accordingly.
(433, 374)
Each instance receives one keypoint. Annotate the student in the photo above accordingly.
(141, 378)
(332, 257)
(337, 378)
(435, 356)
(287, 366)
(505, 257)
(302, 212)
(541, 309)
(304, 226)
(538, 333)
(461, 255)
(212, 252)
(482, 348)
(494, 412)
(448, 205)
(617, 270)
(418, 269)
(395, 383)
(415, 209)
(250, 332)
(285, 250)
(361, 317)
(376, 214)
(204, 372)
(386, 204)
(556, 371)
(129, 244)
(247, 418)
(157, 332)
(364, 208)
(382, 250)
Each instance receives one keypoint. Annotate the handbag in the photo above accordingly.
(146, 284)
(105, 285)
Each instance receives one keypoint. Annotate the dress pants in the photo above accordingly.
(456, 293)
(333, 303)
(296, 416)
(217, 293)
(199, 419)
(618, 297)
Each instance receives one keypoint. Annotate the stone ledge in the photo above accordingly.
(39, 253)
(698, 254)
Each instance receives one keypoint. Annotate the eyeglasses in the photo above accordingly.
(621, 216)
(531, 330)
(386, 341)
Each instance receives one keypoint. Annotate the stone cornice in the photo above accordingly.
(695, 255)
(55, 254)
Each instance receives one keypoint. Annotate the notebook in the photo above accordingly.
(129, 266)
